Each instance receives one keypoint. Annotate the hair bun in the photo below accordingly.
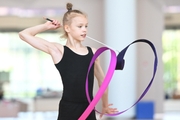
(69, 6)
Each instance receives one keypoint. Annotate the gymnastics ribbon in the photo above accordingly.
(115, 64)
(105, 82)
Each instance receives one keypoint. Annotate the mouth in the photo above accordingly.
(84, 35)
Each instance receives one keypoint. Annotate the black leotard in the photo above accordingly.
(73, 70)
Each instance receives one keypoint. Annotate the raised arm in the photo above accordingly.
(29, 35)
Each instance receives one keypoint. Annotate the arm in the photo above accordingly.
(100, 77)
(28, 35)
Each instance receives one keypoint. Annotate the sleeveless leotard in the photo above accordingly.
(73, 70)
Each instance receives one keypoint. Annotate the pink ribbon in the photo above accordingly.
(105, 83)
(118, 64)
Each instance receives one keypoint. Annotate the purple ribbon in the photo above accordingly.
(119, 65)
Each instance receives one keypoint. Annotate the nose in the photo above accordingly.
(84, 29)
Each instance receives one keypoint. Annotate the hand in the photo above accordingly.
(52, 25)
(108, 110)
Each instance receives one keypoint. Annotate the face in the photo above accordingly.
(78, 28)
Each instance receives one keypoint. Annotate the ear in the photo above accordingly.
(66, 28)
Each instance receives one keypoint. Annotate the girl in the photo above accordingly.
(72, 62)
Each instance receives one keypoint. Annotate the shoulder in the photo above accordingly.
(58, 47)
(93, 49)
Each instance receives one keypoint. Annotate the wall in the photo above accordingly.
(150, 25)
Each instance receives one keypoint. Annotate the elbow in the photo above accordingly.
(21, 35)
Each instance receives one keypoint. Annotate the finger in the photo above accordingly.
(114, 111)
(101, 115)
(57, 23)
(54, 22)
(110, 104)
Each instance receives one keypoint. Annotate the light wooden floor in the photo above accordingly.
(171, 115)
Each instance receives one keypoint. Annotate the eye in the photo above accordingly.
(86, 26)
(79, 26)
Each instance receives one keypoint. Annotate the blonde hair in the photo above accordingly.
(68, 16)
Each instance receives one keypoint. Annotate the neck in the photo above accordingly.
(73, 43)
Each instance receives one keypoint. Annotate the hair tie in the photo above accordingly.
(69, 9)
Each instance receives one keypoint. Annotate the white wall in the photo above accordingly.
(150, 25)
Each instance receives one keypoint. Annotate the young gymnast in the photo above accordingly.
(72, 61)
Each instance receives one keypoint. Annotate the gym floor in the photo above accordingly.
(171, 115)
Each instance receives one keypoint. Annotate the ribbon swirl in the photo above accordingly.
(115, 63)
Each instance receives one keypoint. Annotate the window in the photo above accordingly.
(29, 69)
(171, 59)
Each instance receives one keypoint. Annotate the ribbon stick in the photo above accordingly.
(109, 76)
